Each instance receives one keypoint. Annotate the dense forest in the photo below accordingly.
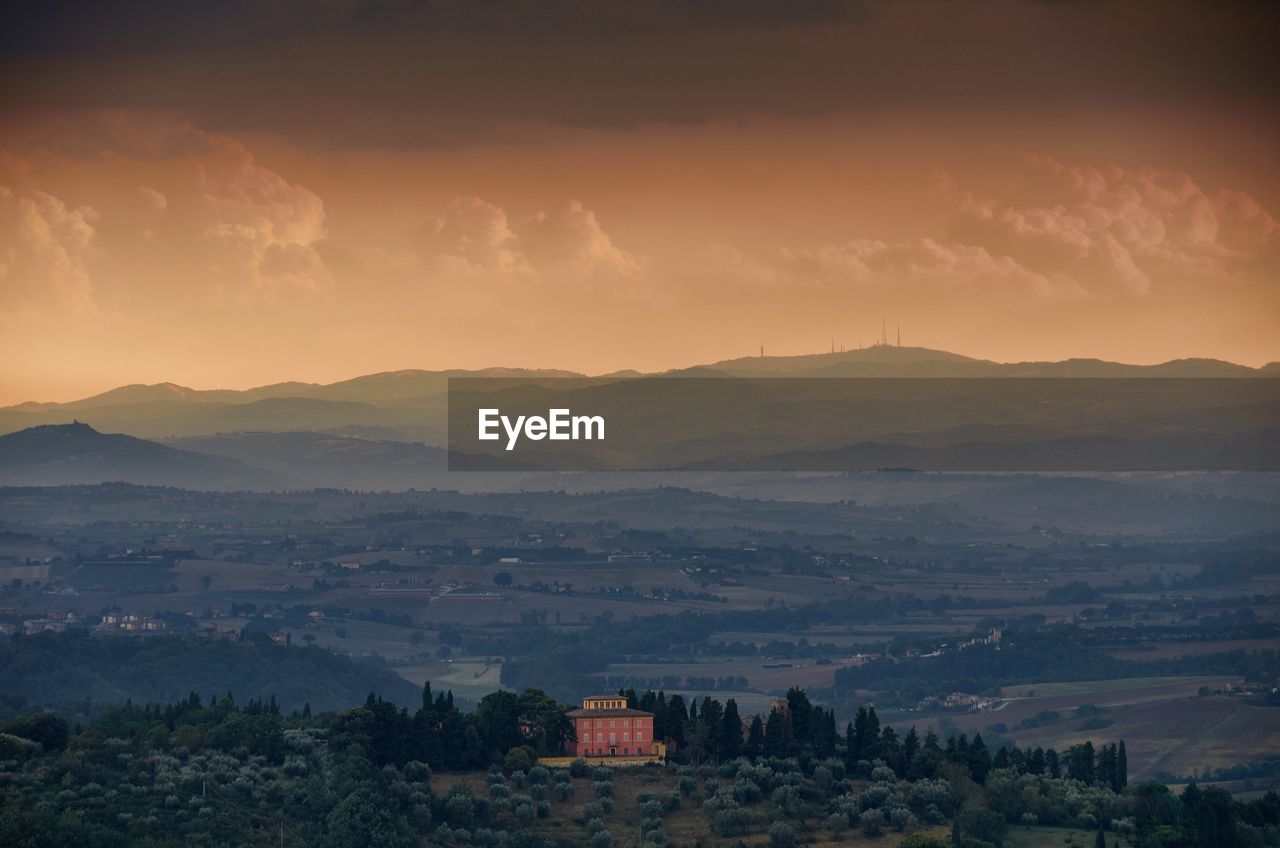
(213, 772)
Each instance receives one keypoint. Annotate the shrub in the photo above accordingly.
(924, 840)
(781, 835)
(983, 824)
(872, 823)
(517, 759)
(732, 821)
(883, 774)
(417, 772)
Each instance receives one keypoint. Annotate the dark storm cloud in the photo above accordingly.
(94, 25)
(354, 72)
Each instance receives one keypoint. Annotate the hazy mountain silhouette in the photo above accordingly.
(411, 405)
(57, 454)
(325, 460)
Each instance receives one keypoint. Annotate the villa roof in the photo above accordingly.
(584, 713)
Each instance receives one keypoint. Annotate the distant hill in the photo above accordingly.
(53, 669)
(411, 405)
(325, 460)
(893, 361)
(56, 454)
(407, 405)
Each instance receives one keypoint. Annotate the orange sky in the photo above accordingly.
(165, 215)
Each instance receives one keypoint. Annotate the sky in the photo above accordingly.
(235, 194)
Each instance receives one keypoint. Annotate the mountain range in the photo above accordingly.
(410, 405)
(385, 431)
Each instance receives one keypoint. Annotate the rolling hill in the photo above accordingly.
(57, 454)
(410, 405)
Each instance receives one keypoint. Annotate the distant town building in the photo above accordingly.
(607, 727)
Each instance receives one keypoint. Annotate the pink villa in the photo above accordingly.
(606, 727)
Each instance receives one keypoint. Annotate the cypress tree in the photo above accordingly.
(858, 743)
(910, 746)
(979, 759)
(755, 738)
(775, 736)
(730, 741)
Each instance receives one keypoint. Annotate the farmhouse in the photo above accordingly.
(607, 727)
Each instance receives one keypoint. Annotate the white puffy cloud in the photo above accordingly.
(45, 247)
(474, 236)
(271, 229)
(1059, 232)
(1116, 230)
(570, 237)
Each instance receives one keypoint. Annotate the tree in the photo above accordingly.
(755, 738)
(775, 736)
(781, 835)
(984, 824)
(502, 578)
(910, 747)
(1100, 841)
(46, 728)
(730, 736)
(497, 718)
(362, 820)
(979, 759)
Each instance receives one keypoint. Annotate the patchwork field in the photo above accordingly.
(1168, 728)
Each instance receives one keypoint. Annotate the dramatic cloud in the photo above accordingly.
(247, 259)
(472, 236)
(1116, 230)
(475, 237)
(570, 238)
(271, 228)
(1059, 232)
(421, 74)
(45, 246)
